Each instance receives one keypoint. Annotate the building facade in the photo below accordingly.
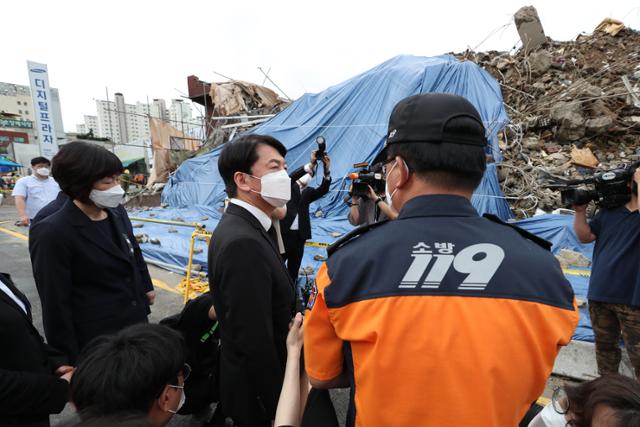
(18, 126)
(129, 123)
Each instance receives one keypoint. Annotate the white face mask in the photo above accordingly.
(110, 198)
(548, 417)
(389, 197)
(43, 171)
(183, 398)
(276, 188)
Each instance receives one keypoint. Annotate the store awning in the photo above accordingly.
(129, 162)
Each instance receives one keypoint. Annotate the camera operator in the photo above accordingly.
(370, 209)
(614, 287)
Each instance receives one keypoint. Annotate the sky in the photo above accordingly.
(148, 48)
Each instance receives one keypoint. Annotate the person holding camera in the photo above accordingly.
(296, 226)
(370, 209)
(614, 287)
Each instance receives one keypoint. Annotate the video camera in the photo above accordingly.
(364, 178)
(609, 189)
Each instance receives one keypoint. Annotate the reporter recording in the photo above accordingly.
(368, 201)
(614, 286)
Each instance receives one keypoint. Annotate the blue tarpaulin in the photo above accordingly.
(353, 117)
(558, 229)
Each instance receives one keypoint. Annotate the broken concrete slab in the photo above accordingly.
(529, 28)
(599, 124)
(539, 62)
(570, 118)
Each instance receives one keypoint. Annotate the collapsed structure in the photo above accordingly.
(574, 106)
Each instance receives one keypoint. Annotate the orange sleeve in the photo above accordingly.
(322, 347)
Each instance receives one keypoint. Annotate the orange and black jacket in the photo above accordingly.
(440, 318)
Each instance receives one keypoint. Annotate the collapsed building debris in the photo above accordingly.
(574, 106)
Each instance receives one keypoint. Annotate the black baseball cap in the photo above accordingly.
(426, 118)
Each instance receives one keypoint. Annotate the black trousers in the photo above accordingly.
(294, 251)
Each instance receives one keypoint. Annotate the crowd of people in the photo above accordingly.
(431, 314)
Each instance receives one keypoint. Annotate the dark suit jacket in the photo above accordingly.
(254, 299)
(59, 202)
(29, 391)
(88, 285)
(299, 204)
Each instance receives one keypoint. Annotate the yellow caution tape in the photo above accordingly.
(574, 272)
(318, 245)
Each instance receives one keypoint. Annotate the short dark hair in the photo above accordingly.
(78, 165)
(240, 154)
(620, 393)
(37, 160)
(127, 371)
(450, 165)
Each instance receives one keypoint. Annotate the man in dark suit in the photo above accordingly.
(34, 378)
(253, 294)
(296, 226)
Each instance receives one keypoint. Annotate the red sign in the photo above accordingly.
(7, 137)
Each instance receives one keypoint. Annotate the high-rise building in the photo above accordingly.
(127, 123)
(122, 115)
(18, 125)
(180, 115)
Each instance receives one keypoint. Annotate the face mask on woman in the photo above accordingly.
(110, 198)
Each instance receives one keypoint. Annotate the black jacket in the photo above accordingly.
(88, 284)
(59, 202)
(299, 203)
(29, 391)
(254, 299)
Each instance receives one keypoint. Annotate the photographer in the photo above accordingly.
(370, 209)
(614, 287)
(296, 226)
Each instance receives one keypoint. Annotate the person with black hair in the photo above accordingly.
(139, 370)
(296, 225)
(426, 316)
(614, 285)
(609, 401)
(35, 191)
(86, 264)
(253, 294)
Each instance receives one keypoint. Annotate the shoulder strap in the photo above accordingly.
(524, 233)
(351, 235)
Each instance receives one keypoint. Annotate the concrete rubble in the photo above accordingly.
(574, 107)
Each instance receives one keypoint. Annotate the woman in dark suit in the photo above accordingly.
(86, 262)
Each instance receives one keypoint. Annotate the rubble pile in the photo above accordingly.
(574, 107)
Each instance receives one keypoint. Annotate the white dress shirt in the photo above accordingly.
(4, 288)
(264, 219)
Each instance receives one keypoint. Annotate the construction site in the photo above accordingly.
(556, 114)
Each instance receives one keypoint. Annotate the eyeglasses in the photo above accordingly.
(560, 401)
(186, 371)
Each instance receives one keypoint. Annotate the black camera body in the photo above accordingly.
(609, 189)
(322, 147)
(364, 178)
